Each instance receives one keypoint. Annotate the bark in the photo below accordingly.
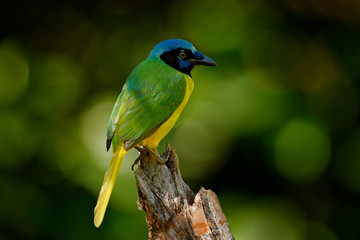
(172, 209)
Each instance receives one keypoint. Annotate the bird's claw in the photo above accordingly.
(136, 161)
(142, 152)
(166, 155)
(162, 160)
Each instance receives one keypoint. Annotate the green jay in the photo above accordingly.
(148, 106)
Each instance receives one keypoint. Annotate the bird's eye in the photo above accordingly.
(182, 55)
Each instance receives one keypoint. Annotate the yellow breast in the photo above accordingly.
(154, 140)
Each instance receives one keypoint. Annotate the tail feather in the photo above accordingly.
(108, 185)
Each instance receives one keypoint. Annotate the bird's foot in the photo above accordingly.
(166, 155)
(142, 152)
(162, 160)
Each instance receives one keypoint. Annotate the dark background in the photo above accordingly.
(274, 130)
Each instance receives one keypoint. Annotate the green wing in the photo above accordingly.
(149, 97)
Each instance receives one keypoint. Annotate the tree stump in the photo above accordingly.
(172, 209)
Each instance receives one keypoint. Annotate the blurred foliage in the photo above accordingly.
(274, 130)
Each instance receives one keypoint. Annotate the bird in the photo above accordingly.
(151, 101)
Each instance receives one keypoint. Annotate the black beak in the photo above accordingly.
(201, 59)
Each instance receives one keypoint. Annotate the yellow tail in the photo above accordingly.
(108, 185)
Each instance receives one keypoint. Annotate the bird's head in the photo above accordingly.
(180, 54)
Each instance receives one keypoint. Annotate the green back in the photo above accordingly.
(149, 97)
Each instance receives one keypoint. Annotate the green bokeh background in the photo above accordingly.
(274, 130)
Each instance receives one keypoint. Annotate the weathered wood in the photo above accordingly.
(172, 209)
